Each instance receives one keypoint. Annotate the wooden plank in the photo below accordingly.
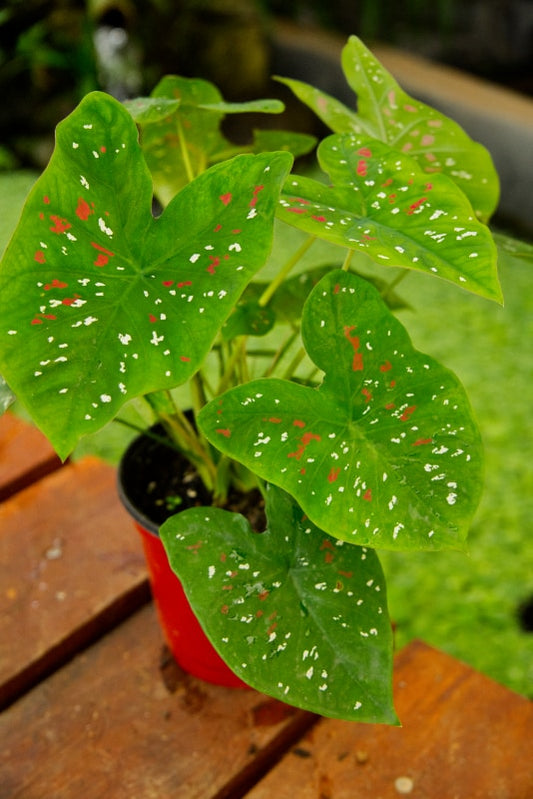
(25, 455)
(112, 724)
(71, 564)
(463, 736)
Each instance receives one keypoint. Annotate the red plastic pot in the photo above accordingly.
(185, 637)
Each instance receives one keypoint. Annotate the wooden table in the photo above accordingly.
(94, 707)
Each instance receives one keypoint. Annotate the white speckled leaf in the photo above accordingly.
(385, 452)
(386, 112)
(382, 203)
(294, 612)
(100, 301)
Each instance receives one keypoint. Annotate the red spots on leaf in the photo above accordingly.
(390, 406)
(298, 423)
(223, 431)
(412, 208)
(184, 358)
(225, 199)
(274, 420)
(55, 284)
(224, 610)
(329, 557)
(408, 412)
(46, 200)
(236, 231)
(195, 547)
(301, 200)
(84, 210)
(259, 613)
(103, 149)
(410, 109)
(304, 443)
(387, 183)
(392, 198)
(319, 218)
(366, 152)
(362, 168)
(336, 288)
(223, 557)
(70, 300)
(215, 261)
(367, 496)
(392, 384)
(421, 441)
(104, 256)
(272, 628)
(168, 283)
(327, 544)
(302, 471)
(296, 210)
(38, 320)
(41, 215)
(217, 228)
(345, 574)
(357, 362)
(366, 394)
(263, 595)
(253, 201)
(334, 473)
(385, 367)
(227, 588)
(60, 225)
(152, 318)
(39, 257)
(184, 283)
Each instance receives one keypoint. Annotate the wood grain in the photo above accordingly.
(25, 455)
(463, 737)
(71, 565)
(114, 724)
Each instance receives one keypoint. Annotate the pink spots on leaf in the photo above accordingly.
(70, 300)
(55, 284)
(225, 199)
(357, 362)
(319, 218)
(414, 206)
(334, 474)
(407, 146)
(304, 443)
(410, 108)
(84, 210)
(253, 201)
(60, 225)
(427, 140)
(408, 412)
(214, 262)
(367, 496)
(435, 123)
(39, 257)
(104, 256)
(362, 168)
(223, 431)
(366, 152)
(421, 441)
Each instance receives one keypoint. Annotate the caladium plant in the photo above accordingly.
(303, 383)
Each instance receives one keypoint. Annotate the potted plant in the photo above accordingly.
(305, 390)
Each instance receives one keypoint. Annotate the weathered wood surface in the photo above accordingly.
(71, 565)
(463, 737)
(25, 455)
(113, 724)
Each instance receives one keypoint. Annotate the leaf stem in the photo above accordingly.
(184, 151)
(347, 261)
(282, 274)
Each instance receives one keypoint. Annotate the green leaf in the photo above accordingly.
(249, 319)
(293, 613)
(384, 453)
(383, 204)
(7, 397)
(263, 106)
(296, 143)
(99, 301)
(386, 112)
(145, 110)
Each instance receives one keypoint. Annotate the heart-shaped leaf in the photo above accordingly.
(294, 614)
(99, 301)
(384, 453)
(386, 112)
(382, 203)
